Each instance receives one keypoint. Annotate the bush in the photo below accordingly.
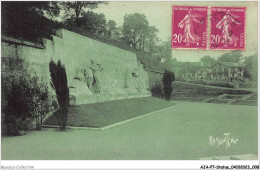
(60, 85)
(157, 89)
(17, 105)
(222, 84)
(23, 98)
(41, 102)
(168, 78)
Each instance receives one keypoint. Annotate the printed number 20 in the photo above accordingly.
(215, 39)
(177, 38)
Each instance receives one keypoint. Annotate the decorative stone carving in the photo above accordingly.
(80, 75)
(88, 73)
(97, 76)
(78, 87)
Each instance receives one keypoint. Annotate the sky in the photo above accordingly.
(159, 14)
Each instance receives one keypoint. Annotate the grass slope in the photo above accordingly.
(107, 113)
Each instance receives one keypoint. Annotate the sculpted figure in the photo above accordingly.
(88, 72)
(97, 75)
(80, 75)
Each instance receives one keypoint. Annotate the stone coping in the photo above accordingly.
(98, 98)
(16, 41)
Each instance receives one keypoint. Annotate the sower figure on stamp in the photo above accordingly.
(187, 23)
(225, 25)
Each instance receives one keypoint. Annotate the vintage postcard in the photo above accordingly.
(129, 80)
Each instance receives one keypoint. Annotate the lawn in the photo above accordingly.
(107, 113)
(178, 133)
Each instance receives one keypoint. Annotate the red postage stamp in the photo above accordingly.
(227, 28)
(189, 27)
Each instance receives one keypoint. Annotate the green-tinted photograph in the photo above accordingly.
(129, 80)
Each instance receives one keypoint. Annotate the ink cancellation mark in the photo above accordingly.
(189, 27)
(227, 28)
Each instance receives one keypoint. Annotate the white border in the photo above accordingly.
(123, 164)
(137, 164)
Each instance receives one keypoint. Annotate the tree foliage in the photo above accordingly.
(24, 98)
(152, 39)
(27, 20)
(234, 56)
(94, 23)
(139, 35)
(209, 61)
(73, 9)
(164, 51)
(111, 27)
(251, 69)
(134, 29)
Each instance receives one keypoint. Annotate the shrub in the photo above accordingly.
(157, 89)
(222, 84)
(168, 78)
(17, 105)
(41, 102)
(60, 85)
(23, 98)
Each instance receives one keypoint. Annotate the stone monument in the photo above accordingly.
(96, 71)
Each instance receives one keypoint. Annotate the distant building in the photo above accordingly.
(220, 70)
(227, 70)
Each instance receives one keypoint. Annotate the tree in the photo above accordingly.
(75, 8)
(164, 51)
(27, 20)
(234, 56)
(94, 23)
(118, 33)
(250, 63)
(168, 78)
(207, 60)
(111, 27)
(152, 39)
(59, 83)
(134, 29)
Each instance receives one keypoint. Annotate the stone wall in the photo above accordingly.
(96, 71)
(33, 54)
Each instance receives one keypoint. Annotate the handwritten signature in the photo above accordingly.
(226, 140)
